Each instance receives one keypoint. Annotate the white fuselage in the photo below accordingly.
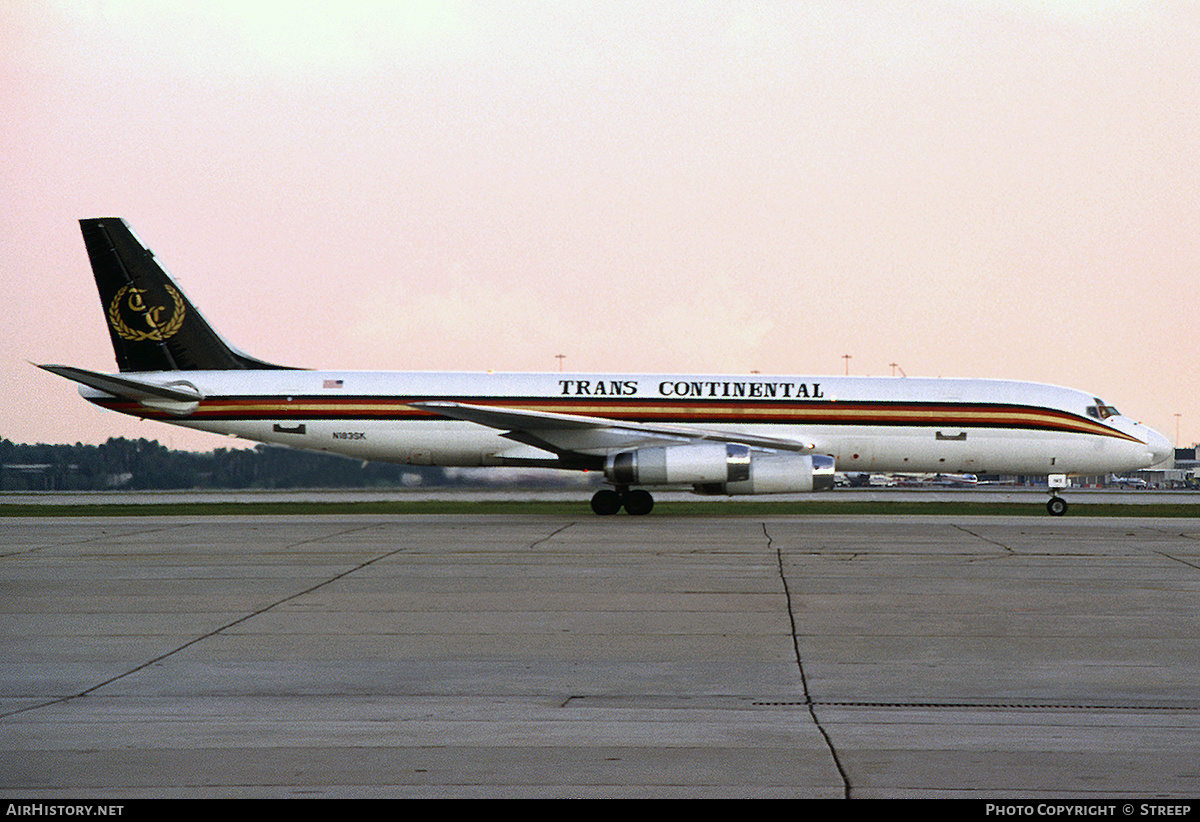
(867, 424)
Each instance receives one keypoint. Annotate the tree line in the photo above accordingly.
(145, 464)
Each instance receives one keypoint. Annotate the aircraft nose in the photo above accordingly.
(1160, 447)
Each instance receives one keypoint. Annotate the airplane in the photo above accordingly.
(722, 434)
(957, 480)
(1127, 482)
(945, 480)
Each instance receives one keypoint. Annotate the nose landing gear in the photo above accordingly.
(636, 502)
(1056, 505)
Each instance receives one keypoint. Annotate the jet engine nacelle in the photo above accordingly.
(779, 474)
(705, 462)
(721, 468)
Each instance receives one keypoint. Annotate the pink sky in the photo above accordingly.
(968, 189)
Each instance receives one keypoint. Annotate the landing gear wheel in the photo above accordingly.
(638, 502)
(1057, 506)
(606, 502)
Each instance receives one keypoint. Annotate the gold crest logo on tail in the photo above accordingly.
(133, 318)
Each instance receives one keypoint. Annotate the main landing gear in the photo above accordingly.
(636, 502)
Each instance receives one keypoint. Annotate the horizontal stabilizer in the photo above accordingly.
(126, 387)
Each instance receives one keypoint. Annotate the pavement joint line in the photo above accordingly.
(1001, 705)
(787, 593)
(88, 541)
(1177, 559)
(228, 625)
(551, 535)
(985, 539)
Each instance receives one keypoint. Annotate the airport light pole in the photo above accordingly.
(846, 357)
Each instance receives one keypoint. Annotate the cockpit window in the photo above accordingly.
(1101, 411)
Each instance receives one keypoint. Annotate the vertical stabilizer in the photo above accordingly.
(152, 324)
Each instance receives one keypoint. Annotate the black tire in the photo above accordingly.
(638, 502)
(606, 502)
(1057, 506)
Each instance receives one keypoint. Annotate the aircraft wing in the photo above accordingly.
(596, 435)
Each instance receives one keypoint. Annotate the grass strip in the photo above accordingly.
(1034, 508)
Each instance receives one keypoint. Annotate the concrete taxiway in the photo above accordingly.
(825, 656)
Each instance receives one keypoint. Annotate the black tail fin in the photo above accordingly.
(152, 324)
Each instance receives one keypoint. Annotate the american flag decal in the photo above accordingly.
(332, 384)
